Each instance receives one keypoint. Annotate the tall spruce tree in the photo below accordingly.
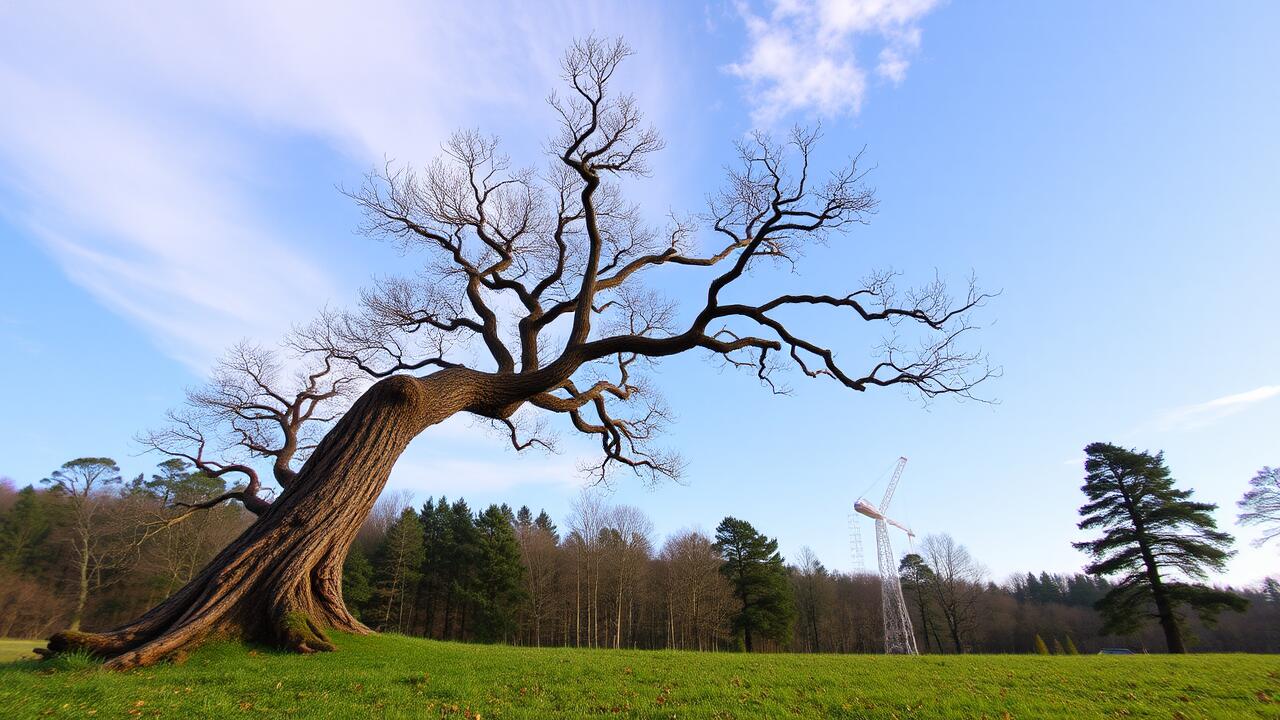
(543, 522)
(24, 529)
(460, 558)
(357, 581)
(755, 570)
(499, 576)
(1151, 530)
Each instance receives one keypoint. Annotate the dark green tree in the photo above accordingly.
(357, 581)
(398, 570)
(917, 577)
(754, 568)
(499, 576)
(24, 529)
(458, 565)
(543, 522)
(175, 483)
(524, 517)
(1151, 529)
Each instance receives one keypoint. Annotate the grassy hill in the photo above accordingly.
(399, 677)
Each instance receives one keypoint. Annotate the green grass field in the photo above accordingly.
(11, 650)
(398, 677)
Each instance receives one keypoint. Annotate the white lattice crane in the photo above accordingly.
(899, 638)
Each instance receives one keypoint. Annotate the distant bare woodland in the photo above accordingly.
(599, 578)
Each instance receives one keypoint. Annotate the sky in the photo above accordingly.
(170, 184)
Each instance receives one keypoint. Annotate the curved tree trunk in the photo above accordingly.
(280, 582)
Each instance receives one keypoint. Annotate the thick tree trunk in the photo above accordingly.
(280, 582)
(1168, 622)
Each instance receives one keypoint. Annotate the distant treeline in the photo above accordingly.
(600, 578)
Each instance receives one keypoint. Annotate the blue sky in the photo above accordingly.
(167, 187)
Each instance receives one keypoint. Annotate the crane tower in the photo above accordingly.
(899, 638)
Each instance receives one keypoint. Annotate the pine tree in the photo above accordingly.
(1071, 647)
(176, 483)
(1150, 528)
(357, 577)
(916, 577)
(398, 569)
(458, 568)
(524, 517)
(755, 570)
(24, 530)
(433, 586)
(499, 576)
(1041, 648)
(1057, 647)
(543, 522)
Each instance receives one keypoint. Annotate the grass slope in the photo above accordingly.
(399, 677)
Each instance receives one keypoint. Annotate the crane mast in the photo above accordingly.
(899, 637)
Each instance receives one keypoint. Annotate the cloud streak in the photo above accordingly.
(140, 145)
(1193, 417)
(802, 56)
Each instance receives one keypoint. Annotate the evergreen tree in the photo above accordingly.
(1071, 647)
(1041, 648)
(499, 576)
(357, 580)
(24, 529)
(1150, 528)
(544, 523)
(1057, 647)
(1032, 588)
(175, 483)
(524, 517)
(755, 570)
(398, 570)
(433, 585)
(1050, 588)
(917, 577)
(458, 567)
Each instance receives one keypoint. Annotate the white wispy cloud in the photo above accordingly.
(802, 54)
(1191, 417)
(137, 141)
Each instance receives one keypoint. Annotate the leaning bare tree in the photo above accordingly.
(532, 302)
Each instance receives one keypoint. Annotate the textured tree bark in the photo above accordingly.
(280, 582)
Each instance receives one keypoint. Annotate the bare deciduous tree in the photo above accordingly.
(630, 533)
(956, 582)
(698, 598)
(541, 275)
(1261, 504)
(95, 542)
